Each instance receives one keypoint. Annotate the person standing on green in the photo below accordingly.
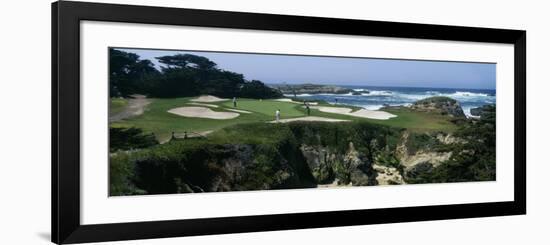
(307, 109)
(234, 101)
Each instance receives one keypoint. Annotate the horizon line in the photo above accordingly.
(387, 86)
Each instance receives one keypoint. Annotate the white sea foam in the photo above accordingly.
(297, 95)
(467, 112)
(379, 93)
(376, 99)
(461, 93)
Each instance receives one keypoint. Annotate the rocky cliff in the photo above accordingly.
(486, 112)
(422, 158)
(440, 104)
(349, 168)
(309, 155)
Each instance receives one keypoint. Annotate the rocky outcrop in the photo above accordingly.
(448, 139)
(441, 105)
(358, 167)
(321, 161)
(486, 112)
(310, 155)
(221, 168)
(311, 89)
(423, 159)
(328, 166)
(388, 175)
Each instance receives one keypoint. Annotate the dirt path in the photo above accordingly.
(135, 107)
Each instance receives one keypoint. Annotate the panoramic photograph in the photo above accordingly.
(203, 121)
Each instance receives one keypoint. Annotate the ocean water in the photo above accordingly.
(404, 96)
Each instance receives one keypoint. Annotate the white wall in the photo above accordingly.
(25, 106)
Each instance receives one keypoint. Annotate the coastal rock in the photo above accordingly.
(387, 175)
(215, 169)
(418, 169)
(433, 158)
(485, 112)
(358, 167)
(349, 168)
(415, 161)
(320, 162)
(440, 104)
(448, 139)
(309, 88)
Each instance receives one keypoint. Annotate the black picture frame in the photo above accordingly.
(66, 17)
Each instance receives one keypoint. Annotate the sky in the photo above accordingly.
(293, 69)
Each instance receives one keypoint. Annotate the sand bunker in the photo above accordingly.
(208, 98)
(241, 111)
(337, 110)
(310, 119)
(364, 113)
(381, 115)
(201, 104)
(202, 112)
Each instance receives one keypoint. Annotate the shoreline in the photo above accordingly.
(376, 98)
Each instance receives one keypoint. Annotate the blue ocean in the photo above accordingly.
(373, 98)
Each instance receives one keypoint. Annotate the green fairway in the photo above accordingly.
(157, 120)
(267, 107)
(418, 121)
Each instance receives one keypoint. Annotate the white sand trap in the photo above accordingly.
(310, 119)
(202, 112)
(380, 115)
(364, 113)
(285, 100)
(241, 111)
(295, 102)
(201, 104)
(337, 110)
(208, 98)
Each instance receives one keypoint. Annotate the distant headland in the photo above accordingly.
(309, 88)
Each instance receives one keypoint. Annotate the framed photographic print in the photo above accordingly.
(176, 122)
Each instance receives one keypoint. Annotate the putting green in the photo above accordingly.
(267, 107)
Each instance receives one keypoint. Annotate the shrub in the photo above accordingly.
(129, 138)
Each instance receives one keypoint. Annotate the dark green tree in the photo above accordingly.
(181, 75)
(187, 61)
(128, 74)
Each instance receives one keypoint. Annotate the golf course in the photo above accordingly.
(181, 123)
(158, 119)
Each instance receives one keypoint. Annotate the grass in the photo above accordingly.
(419, 121)
(157, 120)
(117, 105)
(267, 107)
